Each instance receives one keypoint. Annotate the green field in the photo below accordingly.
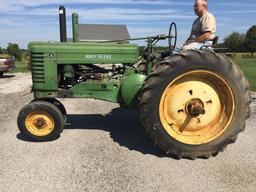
(249, 68)
(248, 65)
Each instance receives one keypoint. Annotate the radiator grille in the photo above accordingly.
(37, 67)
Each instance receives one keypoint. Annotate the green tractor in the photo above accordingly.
(191, 104)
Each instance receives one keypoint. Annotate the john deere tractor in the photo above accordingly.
(191, 104)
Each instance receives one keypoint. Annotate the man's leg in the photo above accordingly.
(194, 45)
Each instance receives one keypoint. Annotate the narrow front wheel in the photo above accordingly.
(40, 121)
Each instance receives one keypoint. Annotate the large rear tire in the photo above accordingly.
(194, 104)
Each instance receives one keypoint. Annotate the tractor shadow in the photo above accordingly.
(123, 126)
(6, 76)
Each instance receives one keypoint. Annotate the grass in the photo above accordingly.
(20, 66)
(245, 55)
(249, 68)
(4, 56)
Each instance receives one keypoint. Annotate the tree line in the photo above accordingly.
(13, 50)
(240, 42)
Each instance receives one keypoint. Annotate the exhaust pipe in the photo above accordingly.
(75, 27)
(63, 27)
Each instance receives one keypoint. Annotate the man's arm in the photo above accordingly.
(204, 37)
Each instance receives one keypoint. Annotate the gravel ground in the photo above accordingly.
(104, 149)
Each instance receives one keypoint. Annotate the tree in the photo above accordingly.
(14, 50)
(250, 39)
(235, 42)
(1, 50)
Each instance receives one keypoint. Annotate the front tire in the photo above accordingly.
(194, 104)
(40, 121)
(57, 103)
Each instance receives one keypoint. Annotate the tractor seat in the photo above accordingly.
(214, 40)
(210, 43)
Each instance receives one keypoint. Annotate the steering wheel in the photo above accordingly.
(172, 37)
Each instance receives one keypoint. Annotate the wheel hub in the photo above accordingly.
(40, 123)
(195, 107)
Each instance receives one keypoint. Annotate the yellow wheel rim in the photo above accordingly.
(39, 123)
(197, 107)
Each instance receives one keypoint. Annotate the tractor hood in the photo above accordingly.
(86, 53)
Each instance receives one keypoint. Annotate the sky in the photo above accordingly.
(23, 21)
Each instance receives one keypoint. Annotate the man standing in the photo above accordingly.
(203, 28)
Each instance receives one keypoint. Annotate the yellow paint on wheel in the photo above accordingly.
(39, 123)
(197, 107)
